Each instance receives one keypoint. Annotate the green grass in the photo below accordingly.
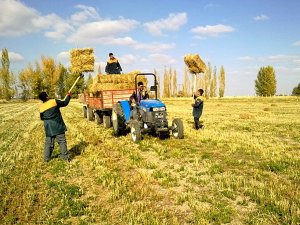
(242, 168)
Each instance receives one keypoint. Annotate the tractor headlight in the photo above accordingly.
(159, 109)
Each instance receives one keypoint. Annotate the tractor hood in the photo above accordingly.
(147, 104)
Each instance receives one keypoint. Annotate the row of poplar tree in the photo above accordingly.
(207, 81)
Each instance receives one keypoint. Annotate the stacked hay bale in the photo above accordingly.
(116, 82)
(82, 60)
(194, 63)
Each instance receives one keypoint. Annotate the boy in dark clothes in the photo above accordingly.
(198, 108)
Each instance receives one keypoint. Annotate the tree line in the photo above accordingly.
(212, 84)
(44, 75)
(56, 79)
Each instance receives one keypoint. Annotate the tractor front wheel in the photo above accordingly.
(177, 130)
(135, 130)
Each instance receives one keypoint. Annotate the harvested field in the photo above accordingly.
(242, 168)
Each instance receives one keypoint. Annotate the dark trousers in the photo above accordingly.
(49, 146)
(197, 123)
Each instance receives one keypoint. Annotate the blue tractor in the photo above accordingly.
(149, 117)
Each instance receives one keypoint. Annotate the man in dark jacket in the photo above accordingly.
(54, 124)
(198, 108)
(141, 93)
(113, 66)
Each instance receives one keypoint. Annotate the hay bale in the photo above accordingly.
(82, 60)
(194, 63)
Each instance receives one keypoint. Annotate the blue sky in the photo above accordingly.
(240, 35)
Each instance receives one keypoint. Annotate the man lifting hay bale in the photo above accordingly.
(82, 60)
(196, 65)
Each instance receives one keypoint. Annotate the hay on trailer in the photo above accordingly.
(82, 60)
(194, 63)
(116, 82)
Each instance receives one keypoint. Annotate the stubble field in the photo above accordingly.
(242, 168)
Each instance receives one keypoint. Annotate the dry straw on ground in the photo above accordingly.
(82, 60)
(194, 63)
(116, 81)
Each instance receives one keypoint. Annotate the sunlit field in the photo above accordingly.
(242, 168)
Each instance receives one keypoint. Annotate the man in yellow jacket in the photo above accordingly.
(113, 66)
(54, 125)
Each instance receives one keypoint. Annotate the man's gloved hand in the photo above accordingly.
(69, 94)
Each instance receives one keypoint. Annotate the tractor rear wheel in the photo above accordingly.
(84, 110)
(98, 119)
(135, 131)
(90, 114)
(177, 129)
(118, 119)
(106, 121)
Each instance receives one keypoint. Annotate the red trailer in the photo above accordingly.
(99, 107)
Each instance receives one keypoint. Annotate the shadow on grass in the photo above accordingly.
(77, 149)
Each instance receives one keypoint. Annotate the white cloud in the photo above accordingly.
(297, 61)
(120, 41)
(63, 56)
(15, 57)
(27, 20)
(79, 29)
(261, 17)
(20, 23)
(86, 13)
(172, 23)
(127, 59)
(245, 58)
(297, 43)
(153, 47)
(282, 57)
(93, 32)
(211, 31)
(60, 27)
(161, 59)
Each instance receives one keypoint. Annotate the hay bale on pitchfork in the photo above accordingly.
(82, 60)
(194, 63)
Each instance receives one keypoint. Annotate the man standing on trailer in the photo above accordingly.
(113, 66)
(55, 127)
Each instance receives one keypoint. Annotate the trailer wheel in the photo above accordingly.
(177, 129)
(90, 114)
(98, 119)
(118, 119)
(84, 109)
(135, 130)
(106, 121)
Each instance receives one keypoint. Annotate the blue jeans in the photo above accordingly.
(49, 146)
